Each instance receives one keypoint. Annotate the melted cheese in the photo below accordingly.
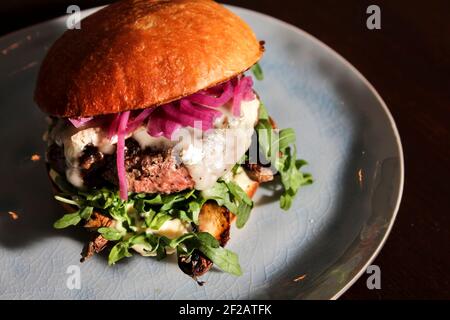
(211, 155)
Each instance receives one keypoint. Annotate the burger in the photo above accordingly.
(157, 140)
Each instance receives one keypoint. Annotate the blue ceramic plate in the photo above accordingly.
(334, 230)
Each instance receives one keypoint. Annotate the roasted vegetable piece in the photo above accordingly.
(216, 220)
(195, 265)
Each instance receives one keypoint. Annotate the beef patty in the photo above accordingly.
(148, 170)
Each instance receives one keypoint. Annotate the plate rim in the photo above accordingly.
(399, 187)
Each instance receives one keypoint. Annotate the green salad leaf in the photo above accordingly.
(207, 239)
(159, 220)
(257, 72)
(223, 258)
(86, 212)
(281, 147)
(110, 233)
(244, 203)
(118, 252)
(70, 219)
(233, 197)
(220, 193)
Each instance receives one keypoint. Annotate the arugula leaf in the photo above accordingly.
(225, 259)
(244, 203)
(183, 205)
(170, 200)
(244, 214)
(265, 133)
(292, 178)
(257, 71)
(138, 239)
(160, 253)
(102, 198)
(230, 195)
(159, 220)
(153, 245)
(149, 243)
(70, 219)
(207, 239)
(220, 193)
(110, 233)
(147, 215)
(157, 199)
(86, 212)
(194, 208)
(286, 137)
(263, 114)
(118, 252)
(176, 242)
(120, 213)
(238, 193)
(160, 246)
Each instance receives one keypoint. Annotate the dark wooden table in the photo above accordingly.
(408, 62)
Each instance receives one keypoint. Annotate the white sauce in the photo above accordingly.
(241, 179)
(207, 155)
(74, 141)
(171, 229)
(143, 250)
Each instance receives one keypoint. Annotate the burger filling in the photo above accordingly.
(196, 159)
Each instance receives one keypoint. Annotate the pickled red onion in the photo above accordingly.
(154, 127)
(173, 112)
(247, 89)
(136, 122)
(120, 154)
(170, 117)
(208, 100)
(113, 126)
(199, 112)
(242, 92)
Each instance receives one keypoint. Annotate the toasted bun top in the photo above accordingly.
(143, 53)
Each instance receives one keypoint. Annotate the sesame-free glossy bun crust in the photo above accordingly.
(143, 53)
